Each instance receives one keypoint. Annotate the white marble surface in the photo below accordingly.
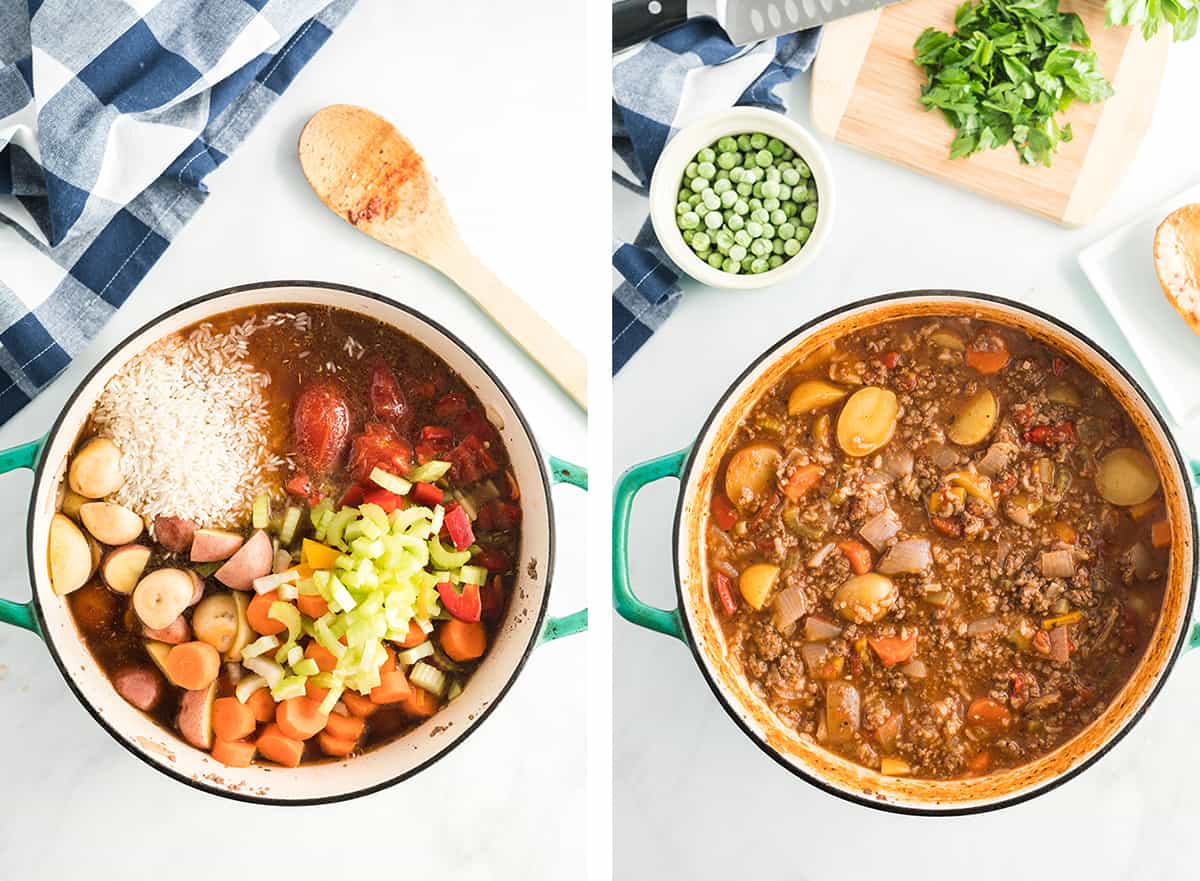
(693, 797)
(510, 802)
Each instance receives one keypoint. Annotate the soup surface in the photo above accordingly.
(288, 533)
(937, 548)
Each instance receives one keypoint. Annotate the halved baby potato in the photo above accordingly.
(1126, 477)
(161, 597)
(867, 421)
(215, 621)
(756, 583)
(865, 598)
(813, 395)
(750, 472)
(96, 469)
(70, 556)
(195, 716)
(123, 567)
(111, 523)
(974, 420)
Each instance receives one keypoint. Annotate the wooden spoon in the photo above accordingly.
(370, 175)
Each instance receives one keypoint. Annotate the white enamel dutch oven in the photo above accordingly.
(525, 626)
(696, 622)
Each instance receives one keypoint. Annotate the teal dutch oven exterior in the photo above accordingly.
(527, 624)
(692, 621)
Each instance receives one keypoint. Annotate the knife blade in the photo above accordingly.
(744, 21)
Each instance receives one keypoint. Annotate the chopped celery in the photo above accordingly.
(291, 520)
(289, 687)
(287, 615)
(342, 597)
(260, 516)
(264, 667)
(468, 505)
(428, 677)
(454, 690)
(330, 699)
(306, 667)
(289, 592)
(376, 515)
(267, 583)
(430, 472)
(473, 575)
(408, 657)
(342, 519)
(294, 656)
(320, 509)
(326, 639)
(444, 558)
(260, 646)
(439, 517)
(390, 482)
(247, 685)
(402, 518)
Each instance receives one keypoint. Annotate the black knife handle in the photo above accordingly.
(637, 20)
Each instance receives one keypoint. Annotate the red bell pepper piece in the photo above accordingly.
(301, 486)
(352, 497)
(725, 592)
(377, 495)
(465, 606)
(426, 494)
(458, 525)
(723, 512)
(1052, 435)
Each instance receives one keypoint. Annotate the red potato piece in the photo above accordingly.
(175, 533)
(140, 686)
(70, 556)
(195, 716)
(110, 523)
(214, 545)
(253, 560)
(123, 567)
(175, 633)
(198, 588)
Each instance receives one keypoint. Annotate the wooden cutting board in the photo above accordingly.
(866, 92)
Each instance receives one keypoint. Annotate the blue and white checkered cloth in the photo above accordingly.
(658, 88)
(112, 113)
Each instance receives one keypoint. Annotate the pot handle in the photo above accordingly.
(24, 456)
(562, 471)
(627, 605)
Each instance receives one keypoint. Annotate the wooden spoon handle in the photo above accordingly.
(554, 354)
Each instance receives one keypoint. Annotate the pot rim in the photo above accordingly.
(710, 677)
(244, 796)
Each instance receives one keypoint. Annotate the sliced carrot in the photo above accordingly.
(314, 691)
(262, 705)
(193, 665)
(232, 719)
(300, 717)
(988, 714)
(802, 480)
(415, 637)
(258, 614)
(234, 753)
(357, 704)
(893, 650)
(318, 556)
(336, 746)
(420, 703)
(279, 748)
(980, 762)
(344, 727)
(462, 640)
(858, 554)
(393, 688)
(326, 660)
(389, 663)
(987, 353)
(1160, 534)
(312, 604)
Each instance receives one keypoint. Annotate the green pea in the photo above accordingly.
(755, 204)
(763, 158)
(711, 200)
(742, 237)
(785, 192)
(682, 208)
(791, 247)
(741, 206)
(722, 185)
(790, 176)
(727, 144)
(770, 189)
(706, 154)
(715, 260)
(700, 184)
(789, 153)
(775, 261)
(744, 189)
(735, 221)
(760, 248)
(693, 199)
(688, 235)
(802, 234)
(737, 252)
(731, 266)
(728, 198)
(758, 190)
(774, 175)
(743, 142)
(690, 220)
(770, 204)
(736, 174)
(690, 171)
(701, 241)
(707, 170)
(800, 193)
(751, 176)
(721, 175)
(777, 246)
(761, 215)
(724, 239)
(802, 167)
(775, 146)
(790, 209)
(754, 229)
(808, 215)
(786, 231)
(758, 140)
(778, 217)
(728, 160)
(759, 266)
(713, 220)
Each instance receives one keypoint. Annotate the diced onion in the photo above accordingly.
(408, 657)
(1058, 564)
(260, 646)
(818, 629)
(428, 677)
(790, 604)
(881, 528)
(268, 583)
(247, 685)
(914, 669)
(911, 555)
(983, 625)
(264, 667)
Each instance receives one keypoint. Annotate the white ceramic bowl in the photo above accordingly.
(681, 149)
(526, 623)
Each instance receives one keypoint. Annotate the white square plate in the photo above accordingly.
(1121, 269)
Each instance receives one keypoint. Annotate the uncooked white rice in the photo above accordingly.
(190, 417)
